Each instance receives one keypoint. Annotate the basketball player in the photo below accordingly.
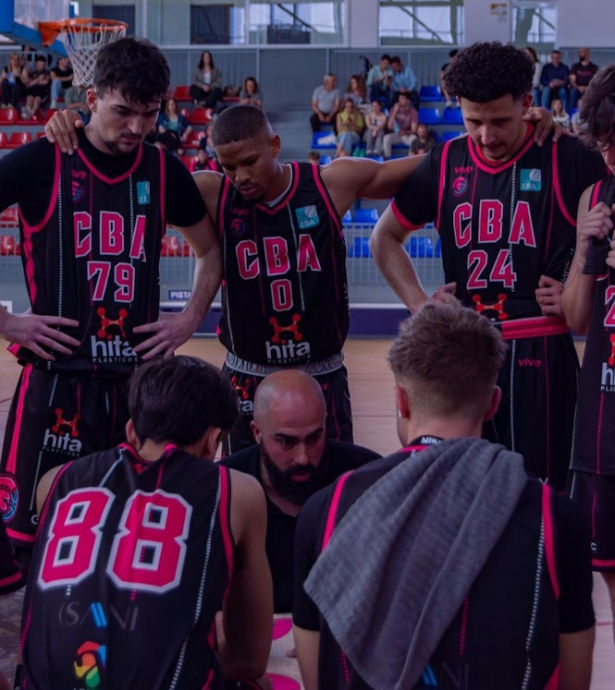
(505, 210)
(292, 460)
(284, 289)
(91, 229)
(446, 560)
(589, 308)
(140, 546)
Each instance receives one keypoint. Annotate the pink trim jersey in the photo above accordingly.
(284, 291)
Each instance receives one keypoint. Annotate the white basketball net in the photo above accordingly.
(82, 43)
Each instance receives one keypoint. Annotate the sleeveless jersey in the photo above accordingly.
(522, 638)
(94, 258)
(131, 564)
(594, 448)
(285, 292)
(503, 226)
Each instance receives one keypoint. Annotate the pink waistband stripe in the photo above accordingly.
(518, 329)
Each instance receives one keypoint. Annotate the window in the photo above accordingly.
(421, 22)
(297, 22)
(535, 24)
(217, 24)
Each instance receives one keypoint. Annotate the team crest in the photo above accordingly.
(531, 180)
(90, 662)
(460, 185)
(77, 192)
(9, 497)
(238, 226)
(307, 217)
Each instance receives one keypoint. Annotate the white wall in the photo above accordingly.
(587, 23)
(483, 25)
(363, 23)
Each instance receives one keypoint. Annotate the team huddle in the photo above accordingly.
(392, 567)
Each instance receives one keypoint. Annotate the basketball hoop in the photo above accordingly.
(82, 38)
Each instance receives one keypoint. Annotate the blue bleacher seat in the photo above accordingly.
(573, 111)
(447, 136)
(360, 248)
(347, 217)
(452, 116)
(420, 247)
(400, 150)
(325, 160)
(318, 137)
(430, 94)
(429, 116)
(438, 252)
(366, 216)
(373, 157)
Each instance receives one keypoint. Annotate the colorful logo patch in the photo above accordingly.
(91, 658)
(460, 185)
(9, 497)
(143, 193)
(307, 217)
(531, 180)
(77, 191)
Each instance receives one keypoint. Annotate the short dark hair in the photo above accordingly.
(555, 50)
(179, 399)
(450, 355)
(598, 109)
(396, 60)
(239, 123)
(484, 72)
(385, 56)
(134, 66)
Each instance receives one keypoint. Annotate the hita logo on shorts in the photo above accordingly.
(246, 406)
(109, 346)
(63, 436)
(287, 350)
(607, 378)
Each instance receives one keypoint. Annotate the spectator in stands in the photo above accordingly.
(424, 142)
(350, 126)
(314, 157)
(376, 123)
(578, 126)
(404, 81)
(581, 74)
(379, 82)
(325, 103)
(251, 93)
(292, 459)
(537, 73)
(173, 122)
(12, 80)
(76, 98)
(357, 91)
(61, 80)
(559, 114)
(451, 102)
(403, 123)
(167, 141)
(206, 87)
(204, 162)
(38, 88)
(554, 80)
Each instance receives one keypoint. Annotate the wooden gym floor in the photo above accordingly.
(371, 390)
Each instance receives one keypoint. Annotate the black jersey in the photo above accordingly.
(502, 225)
(131, 563)
(284, 293)
(594, 448)
(537, 579)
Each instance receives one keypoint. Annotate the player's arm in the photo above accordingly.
(575, 652)
(307, 643)
(62, 130)
(592, 224)
(247, 615)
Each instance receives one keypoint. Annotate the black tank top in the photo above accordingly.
(594, 447)
(131, 564)
(94, 258)
(284, 292)
(503, 226)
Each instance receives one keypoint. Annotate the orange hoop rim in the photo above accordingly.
(51, 30)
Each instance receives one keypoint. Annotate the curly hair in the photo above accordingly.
(484, 72)
(598, 109)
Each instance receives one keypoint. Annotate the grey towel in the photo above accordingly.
(404, 557)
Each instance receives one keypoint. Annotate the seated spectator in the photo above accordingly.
(446, 558)
(61, 79)
(357, 91)
(581, 74)
(451, 101)
(292, 460)
(559, 114)
(375, 123)
(193, 545)
(325, 103)
(350, 126)
(167, 141)
(206, 87)
(403, 123)
(38, 88)
(174, 122)
(204, 162)
(379, 82)
(404, 81)
(251, 93)
(578, 126)
(12, 81)
(537, 73)
(424, 142)
(554, 81)
(76, 98)
(314, 157)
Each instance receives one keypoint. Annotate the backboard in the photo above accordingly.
(19, 20)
